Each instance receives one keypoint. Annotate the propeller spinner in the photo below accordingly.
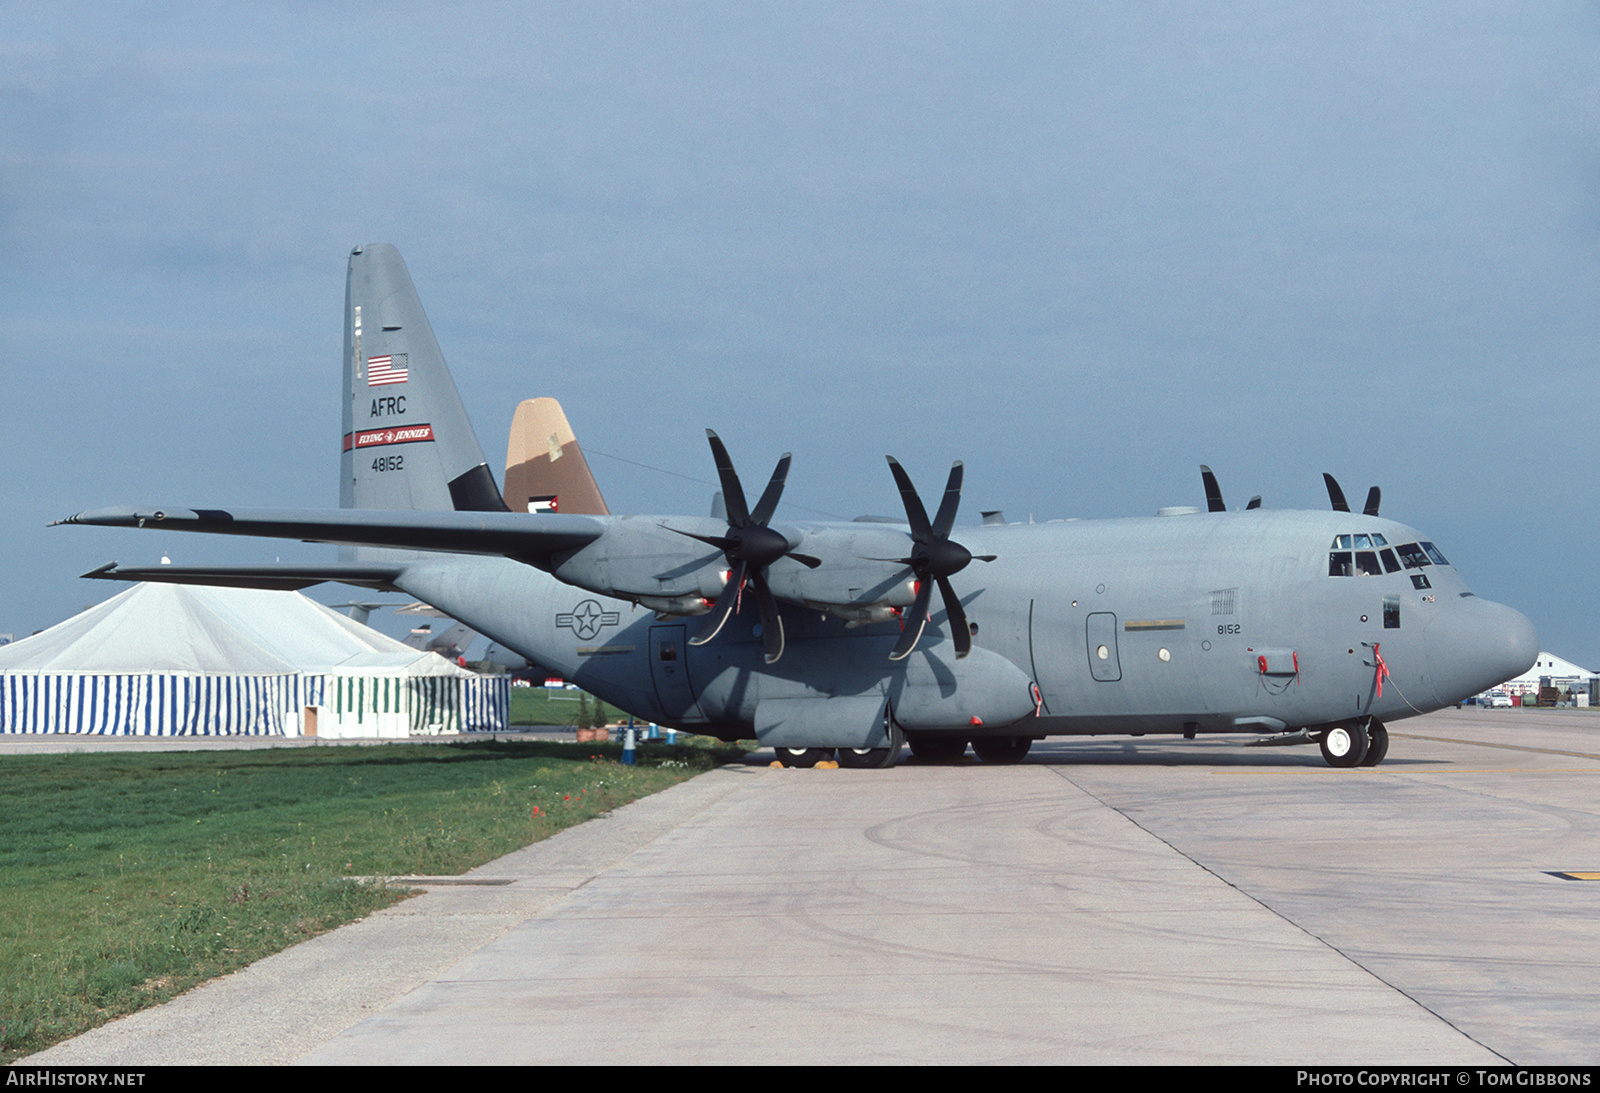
(934, 558)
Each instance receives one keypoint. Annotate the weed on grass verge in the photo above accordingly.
(126, 879)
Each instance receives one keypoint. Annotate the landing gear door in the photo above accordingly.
(669, 670)
(1104, 664)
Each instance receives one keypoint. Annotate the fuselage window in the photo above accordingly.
(1420, 580)
(1390, 564)
(1391, 612)
(1367, 562)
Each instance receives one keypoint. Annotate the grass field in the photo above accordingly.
(128, 878)
(537, 706)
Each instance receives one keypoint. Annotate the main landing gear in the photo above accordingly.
(856, 758)
(1362, 743)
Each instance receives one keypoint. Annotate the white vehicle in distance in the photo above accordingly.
(1493, 698)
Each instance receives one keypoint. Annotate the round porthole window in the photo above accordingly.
(1103, 653)
(1165, 654)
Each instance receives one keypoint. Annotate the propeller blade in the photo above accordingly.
(771, 621)
(916, 515)
(732, 492)
(913, 622)
(769, 497)
(1374, 496)
(720, 542)
(1255, 503)
(1335, 494)
(722, 610)
(959, 629)
(952, 498)
(1213, 491)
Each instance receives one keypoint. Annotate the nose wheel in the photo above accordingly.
(1346, 745)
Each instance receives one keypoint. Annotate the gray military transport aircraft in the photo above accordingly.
(819, 638)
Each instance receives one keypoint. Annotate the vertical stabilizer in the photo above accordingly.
(545, 468)
(407, 441)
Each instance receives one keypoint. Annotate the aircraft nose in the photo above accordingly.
(1477, 645)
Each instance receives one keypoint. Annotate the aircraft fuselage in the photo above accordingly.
(1196, 623)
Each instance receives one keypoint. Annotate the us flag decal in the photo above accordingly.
(382, 371)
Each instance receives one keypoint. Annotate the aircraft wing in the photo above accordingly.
(523, 536)
(282, 576)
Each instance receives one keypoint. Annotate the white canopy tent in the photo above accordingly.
(172, 659)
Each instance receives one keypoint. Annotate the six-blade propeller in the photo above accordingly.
(750, 546)
(934, 558)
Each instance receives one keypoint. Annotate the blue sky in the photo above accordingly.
(1083, 248)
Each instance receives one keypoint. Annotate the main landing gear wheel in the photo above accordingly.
(1344, 745)
(868, 758)
(802, 757)
(1377, 744)
(876, 758)
(929, 748)
(1002, 749)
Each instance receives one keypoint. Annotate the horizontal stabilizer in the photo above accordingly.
(286, 577)
(510, 534)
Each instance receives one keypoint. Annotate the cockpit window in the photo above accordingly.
(1412, 556)
(1369, 555)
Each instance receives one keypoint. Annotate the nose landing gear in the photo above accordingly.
(1361, 743)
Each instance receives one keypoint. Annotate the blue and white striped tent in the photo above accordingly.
(170, 660)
